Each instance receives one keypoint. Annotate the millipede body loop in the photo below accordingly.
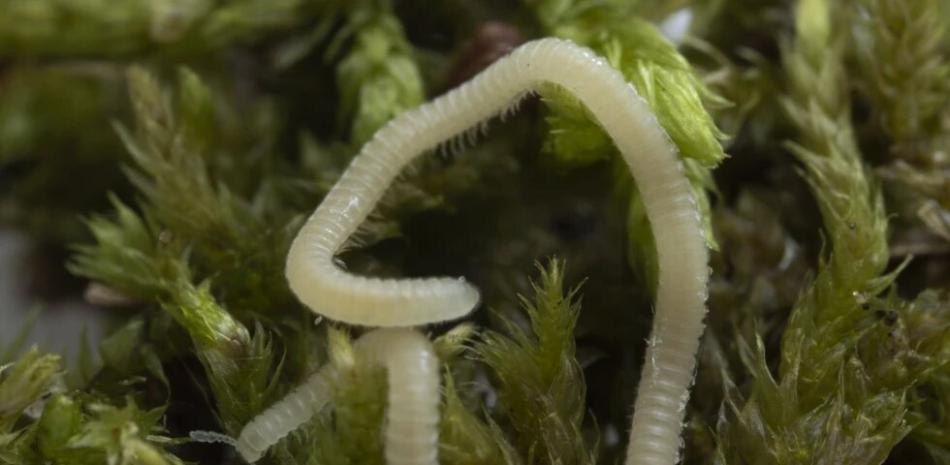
(653, 162)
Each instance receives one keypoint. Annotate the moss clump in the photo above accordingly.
(176, 147)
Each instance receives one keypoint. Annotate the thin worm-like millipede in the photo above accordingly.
(412, 420)
(286, 415)
(412, 375)
(653, 161)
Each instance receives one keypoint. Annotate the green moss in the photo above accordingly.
(27, 381)
(538, 379)
(867, 414)
(378, 78)
(240, 115)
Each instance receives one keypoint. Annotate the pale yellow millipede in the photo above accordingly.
(330, 291)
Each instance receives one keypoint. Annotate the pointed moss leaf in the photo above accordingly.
(910, 341)
(661, 76)
(829, 403)
(538, 379)
(121, 436)
(573, 140)
(123, 255)
(211, 327)
(359, 402)
(120, 352)
(340, 348)
(24, 382)
(189, 205)
(61, 420)
(196, 106)
(240, 366)
(812, 26)
(667, 82)
(465, 439)
(378, 78)
(905, 72)
(451, 344)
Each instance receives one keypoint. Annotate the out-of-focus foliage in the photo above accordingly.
(96, 28)
(43, 151)
(189, 207)
(378, 78)
(26, 381)
(72, 427)
(899, 46)
(905, 73)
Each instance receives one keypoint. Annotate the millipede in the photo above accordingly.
(412, 419)
(328, 290)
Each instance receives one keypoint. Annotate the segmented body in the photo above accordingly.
(652, 159)
(412, 419)
(412, 373)
(286, 415)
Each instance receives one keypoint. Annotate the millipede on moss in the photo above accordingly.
(652, 159)
(412, 418)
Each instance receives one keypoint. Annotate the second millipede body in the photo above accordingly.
(412, 419)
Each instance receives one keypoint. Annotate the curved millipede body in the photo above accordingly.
(412, 375)
(652, 160)
(286, 415)
(412, 417)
